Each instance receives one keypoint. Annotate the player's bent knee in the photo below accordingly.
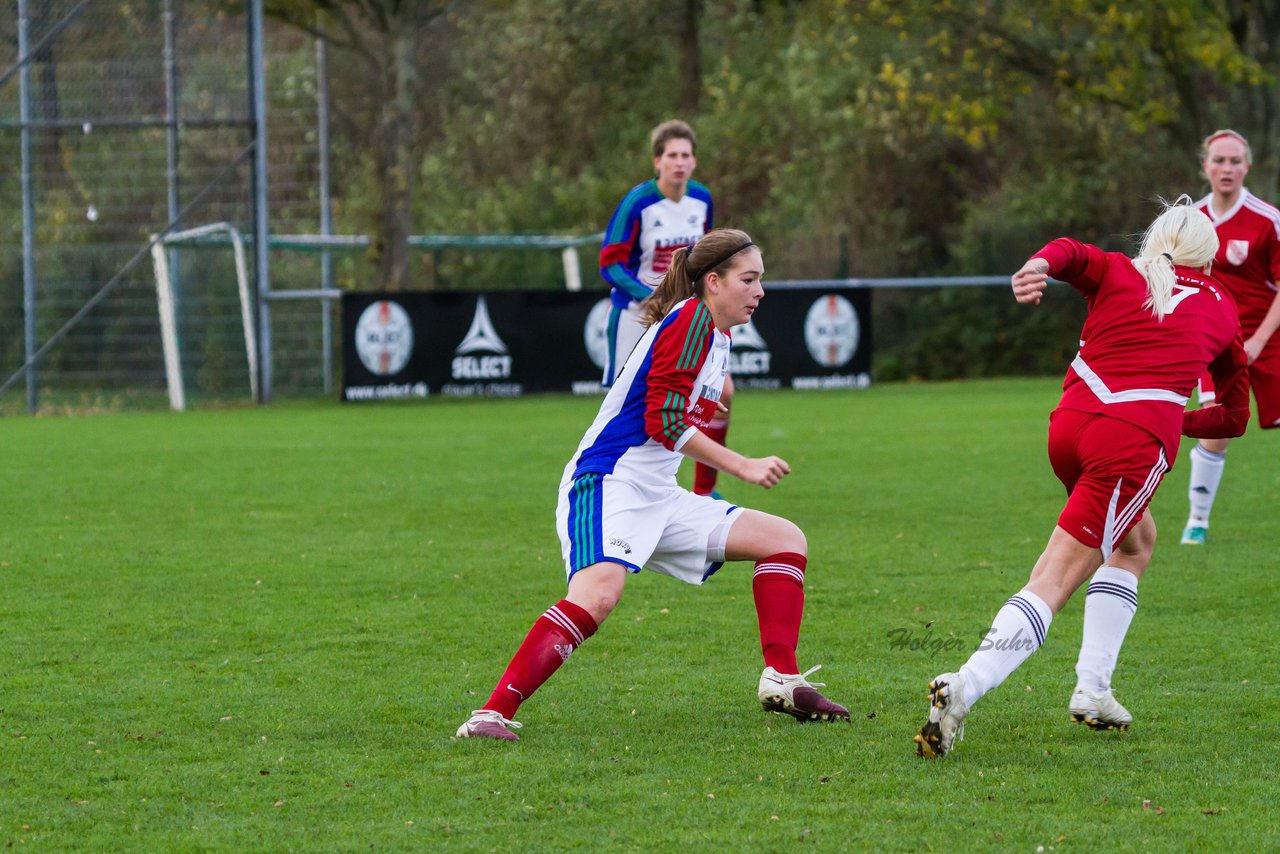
(756, 535)
(598, 588)
(793, 540)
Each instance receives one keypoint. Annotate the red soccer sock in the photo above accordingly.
(704, 476)
(559, 631)
(778, 587)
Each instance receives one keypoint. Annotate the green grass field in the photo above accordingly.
(258, 630)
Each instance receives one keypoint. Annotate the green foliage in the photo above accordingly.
(914, 137)
(258, 629)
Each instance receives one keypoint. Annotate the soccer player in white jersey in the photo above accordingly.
(1248, 265)
(655, 219)
(1155, 323)
(621, 510)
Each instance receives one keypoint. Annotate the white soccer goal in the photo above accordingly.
(168, 314)
(258, 346)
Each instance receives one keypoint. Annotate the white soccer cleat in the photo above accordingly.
(485, 723)
(793, 694)
(1098, 709)
(947, 711)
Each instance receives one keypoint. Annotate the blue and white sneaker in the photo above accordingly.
(1194, 535)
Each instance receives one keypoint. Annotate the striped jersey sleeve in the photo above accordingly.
(620, 255)
(678, 355)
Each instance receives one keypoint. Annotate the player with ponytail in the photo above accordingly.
(1155, 323)
(621, 511)
(1177, 238)
(659, 218)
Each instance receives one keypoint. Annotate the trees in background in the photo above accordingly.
(391, 56)
(850, 137)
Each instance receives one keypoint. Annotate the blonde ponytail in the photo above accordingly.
(1181, 234)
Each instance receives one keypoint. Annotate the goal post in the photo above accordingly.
(257, 345)
(168, 313)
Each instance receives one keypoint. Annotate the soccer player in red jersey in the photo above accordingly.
(651, 222)
(1248, 265)
(621, 511)
(1155, 323)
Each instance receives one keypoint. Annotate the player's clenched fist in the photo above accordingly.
(765, 471)
(1029, 282)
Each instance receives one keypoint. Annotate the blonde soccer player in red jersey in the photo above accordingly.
(1248, 265)
(1155, 323)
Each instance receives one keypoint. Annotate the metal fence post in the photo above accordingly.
(326, 211)
(261, 270)
(28, 209)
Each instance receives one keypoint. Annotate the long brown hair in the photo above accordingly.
(690, 266)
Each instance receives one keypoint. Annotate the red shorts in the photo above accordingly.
(1111, 469)
(1264, 378)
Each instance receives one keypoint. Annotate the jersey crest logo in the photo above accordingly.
(481, 337)
(750, 353)
(1237, 251)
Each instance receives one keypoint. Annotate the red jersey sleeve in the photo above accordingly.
(677, 356)
(1080, 265)
(1273, 255)
(1230, 372)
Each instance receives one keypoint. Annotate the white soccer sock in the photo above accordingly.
(1206, 474)
(1109, 607)
(1017, 631)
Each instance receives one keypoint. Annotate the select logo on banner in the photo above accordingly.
(412, 344)
(750, 360)
(481, 360)
(481, 338)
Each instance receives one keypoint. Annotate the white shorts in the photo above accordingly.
(623, 333)
(667, 529)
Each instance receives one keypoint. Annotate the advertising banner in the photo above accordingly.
(507, 343)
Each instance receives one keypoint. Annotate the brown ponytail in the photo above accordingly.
(690, 266)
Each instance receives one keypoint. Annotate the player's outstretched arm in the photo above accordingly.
(1029, 282)
(763, 471)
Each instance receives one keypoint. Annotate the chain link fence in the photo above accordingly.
(134, 112)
